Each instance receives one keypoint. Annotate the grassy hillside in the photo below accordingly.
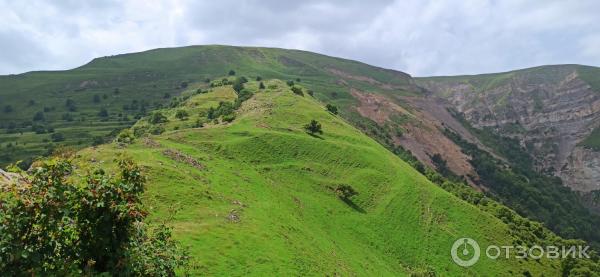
(593, 140)
(547, 74)
(590, 75)
(257, 196)
(40, 111)
(254, 193)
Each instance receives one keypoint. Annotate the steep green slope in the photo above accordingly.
(257, 196)
(593, 140)
(86, 104)
(591, 75)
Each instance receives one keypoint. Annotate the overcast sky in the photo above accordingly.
(419, 37)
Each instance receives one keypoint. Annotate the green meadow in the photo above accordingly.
(127, 87)
(257, 196)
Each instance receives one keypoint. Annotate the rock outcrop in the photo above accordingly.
(7, 178)
(550, 110)
(419, 122)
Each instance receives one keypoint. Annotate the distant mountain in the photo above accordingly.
(543, 119)
(552, 111)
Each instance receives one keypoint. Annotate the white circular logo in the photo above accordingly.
(465, 252)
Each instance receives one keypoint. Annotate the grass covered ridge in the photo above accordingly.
(257, 196)
(89, 104)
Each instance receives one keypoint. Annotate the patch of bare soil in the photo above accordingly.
(376, 107)
(88, 83)
(233, 216)
(8, 178)
(422, 134)
(435, 110)
(151, 143)
(426, 142)
(183, 158)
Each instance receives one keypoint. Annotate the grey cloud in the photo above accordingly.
(419, 37)
(259, 20)
(29, 53)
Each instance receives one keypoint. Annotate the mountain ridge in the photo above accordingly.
(262, 176)
(93, 104)
(523, 96)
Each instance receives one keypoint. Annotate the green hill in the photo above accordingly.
(91, 103)
(546, 74)
(257, 196)
(250, 192)
(593, 141)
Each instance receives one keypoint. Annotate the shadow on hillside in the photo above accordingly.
(353, 205)
(314, 135)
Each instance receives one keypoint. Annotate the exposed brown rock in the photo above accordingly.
(422, 133)
(151, 143)
(551, 115)
(9, 178)
(183, 158)
(377, 107)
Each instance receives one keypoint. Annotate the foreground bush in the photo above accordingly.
(50, 225)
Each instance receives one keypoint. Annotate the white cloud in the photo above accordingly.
(419, 37)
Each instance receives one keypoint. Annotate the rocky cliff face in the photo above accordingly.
(550, 110)
(582, 170)
(420, 120)
(409, 118)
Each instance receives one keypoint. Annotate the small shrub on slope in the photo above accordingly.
(332, 109)
(314, 127)
(103, 113)
(345, 192)
(237, 86)
(157, 130)
(157, 117)
(224, 108)
(181, 114)
(297, 91)
(125, 137)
